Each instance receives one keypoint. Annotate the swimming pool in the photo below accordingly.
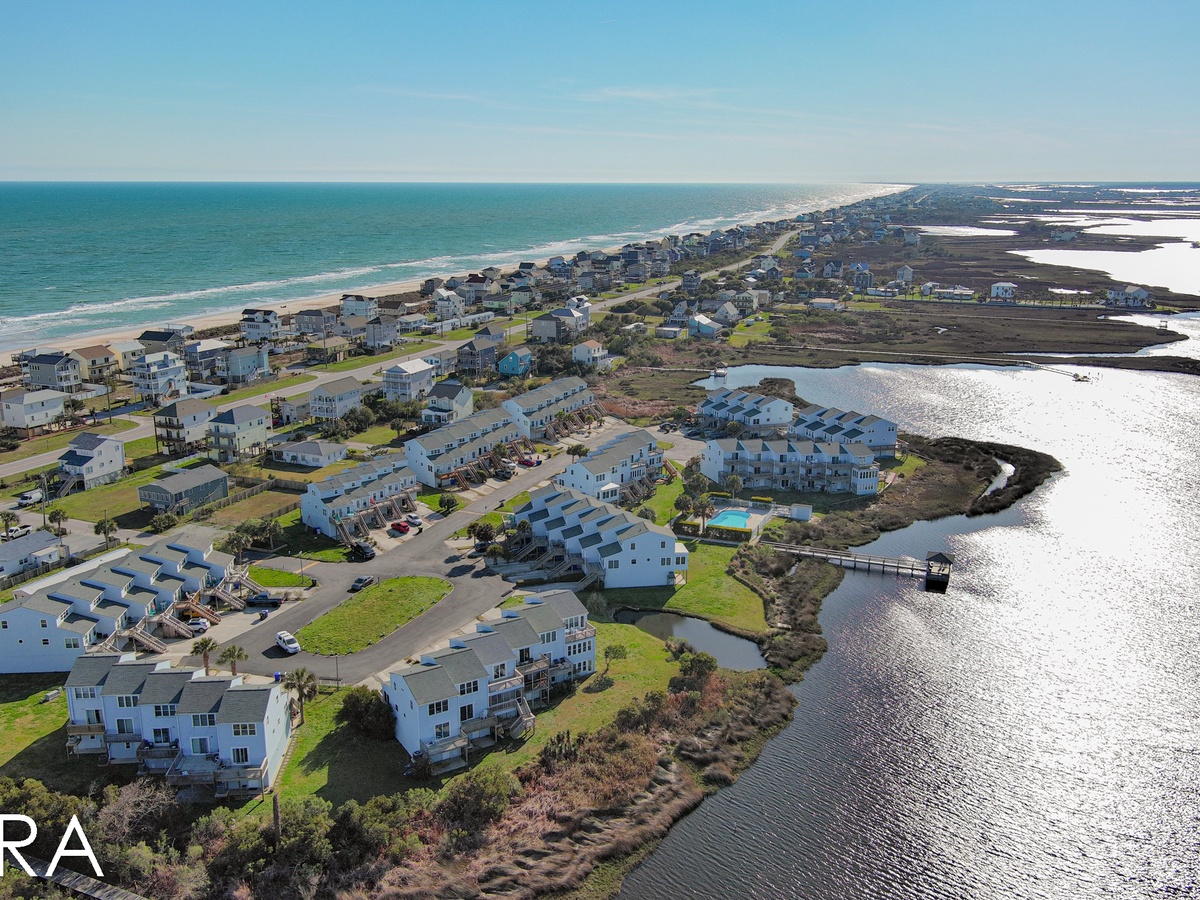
(731, 518)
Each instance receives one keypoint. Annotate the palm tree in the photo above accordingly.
(732, 483)
(704, 509)
(270, 531)
(577, 450)
(231, 656)
(205, 647)
(8, 519)
(237, 542)
(106, 527)
(58, 518)
(684, 504)
(303, 684)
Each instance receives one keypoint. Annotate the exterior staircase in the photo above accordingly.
(68, 485)
(141, 636)
(571, 562)
(168, 624)
(592, 574)
(525, 721)
(539, 544)
(231, 600)
(195, 608)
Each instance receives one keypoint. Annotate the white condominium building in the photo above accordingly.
(433, 457)
(821, 423)
(534, 412)
(794, 465)
(608, 472)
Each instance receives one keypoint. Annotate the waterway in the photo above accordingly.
(1031, 733)
(729, 650)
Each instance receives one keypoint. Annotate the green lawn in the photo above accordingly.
(377, 435)
(270, 387)
(33, 738)
(361, 362)
(747, 334)
(371, 614)
(275, 578)
(709, 593)
(299, 540)
(263, 505)
(117, 501)
(335, 763)
(289, 472)
(496, 517)
(663, 501)
(59, 440)
(141, 448)
(648, 667)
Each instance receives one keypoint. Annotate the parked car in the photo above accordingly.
(401, 527)
(263, 598)
(16, 531)
(363, 581)
(198, 626)
(527, 461)
(503, 474)
(363, 550)
(285, 642)
(510, 463)
(413, 519)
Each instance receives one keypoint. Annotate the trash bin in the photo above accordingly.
(278, 676)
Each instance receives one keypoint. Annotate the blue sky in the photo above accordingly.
(697, 92)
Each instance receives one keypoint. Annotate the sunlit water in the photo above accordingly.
(1031, 733)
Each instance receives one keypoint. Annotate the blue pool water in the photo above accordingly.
(731, 518)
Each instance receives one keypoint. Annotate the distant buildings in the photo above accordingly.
(1130, 295)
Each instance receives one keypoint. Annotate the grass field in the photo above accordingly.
(709, 593)
(496, 517)
(272, 578)
(261, 506)
(299, 540)
(371, 614)
(377, 435)
(747, 334)
(117, 501)
(362, 362)
(290, 472)
(663, 501)
(59, 440)
(33, 738)
(257, 390)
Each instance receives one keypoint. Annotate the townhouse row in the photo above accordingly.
(338, 499)
(54, 622)
(621, 549)
(611, 471)
(179, 723)
(792, 465)
(483, 685)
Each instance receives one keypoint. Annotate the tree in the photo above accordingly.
(205, 647)
(269, 531)
(303, 684)
(369, 713)
(647, 513)
(237, 542)
(684, 504)
(447, 503)
(9, 519)
(58, 518)
(231, 656)
(732, 483)
(577, 450)
(704, 509)
(106, 528)
(614, 651)
(483, 532)
(163, 522)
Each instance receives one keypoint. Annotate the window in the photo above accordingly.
(3, 624)
(548, 637)
(200, 746)
(202, 720)
(124, 726)
(466, 712)
(85, 693)
(498, 671)
(439, 707)
(45, 624)
(614, 564)
(164, 710)
(441, 731)
(45, 642)
(240, 755)
(247, 730)
(681, 560)
(127, 701)
(662, 544)
(162, 735)
(71, 643)
(469, 688)
(664, 561)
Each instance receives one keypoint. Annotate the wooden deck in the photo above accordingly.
(935, 568)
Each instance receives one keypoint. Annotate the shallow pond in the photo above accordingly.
(730, 651)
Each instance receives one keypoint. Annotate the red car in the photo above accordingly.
(531, 462)
(401, 527)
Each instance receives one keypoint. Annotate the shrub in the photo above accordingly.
(163, 522)
(477, 799)
(368, 713)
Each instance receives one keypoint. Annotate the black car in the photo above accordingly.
(503, 474)
(363, 550)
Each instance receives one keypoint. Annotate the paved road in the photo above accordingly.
(475, 591)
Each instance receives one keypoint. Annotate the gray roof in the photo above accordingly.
(77, 623)
(428, 683)
(541, 618)
(338, 386)
(196, 537)
(91, 670)
(89, 440)
(461, 665)
(127, 678)
(565, 603)
(245, 703)
(165, 686)
(516, 632)
(491, 648)
(19, 548)
(186, 407)
(311, 448)
(203, 695)
(240, 414)
(447, 390)
(186, 479)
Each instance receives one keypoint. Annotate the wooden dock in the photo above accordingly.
(935, 568)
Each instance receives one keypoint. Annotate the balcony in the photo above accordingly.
(508, 684)
(534, 666)
(581, 634)
(122, 737)
(85, 729)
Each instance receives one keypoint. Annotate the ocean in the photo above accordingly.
(86, 257)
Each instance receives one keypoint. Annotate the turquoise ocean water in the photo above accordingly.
(83, 258)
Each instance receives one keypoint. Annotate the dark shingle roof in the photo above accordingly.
(203, 695)
(127, 678)
(245, 703)
(91, 670)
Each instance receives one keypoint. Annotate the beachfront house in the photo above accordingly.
(181, 427)
(446, 402)
(536, 412)
(436, 456)
(99, 362)
(409, 380)
(318, 322)
(180, 724)
(313, 454)
(159, 376)
(54, 621)
(32, 412)
(127, 353)
(484, 684)
(91, 460)
(358, 305)
(185, 489)
(55, 370)
(516, 363)
(204, 357)
(237, 432)
(244, 365)
(258, 325)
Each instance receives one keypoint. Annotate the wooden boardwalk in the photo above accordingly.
(884, 565)
(83, 885)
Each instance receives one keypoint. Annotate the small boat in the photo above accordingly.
(720, 371)
(1079, 377)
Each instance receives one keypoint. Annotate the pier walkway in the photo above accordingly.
(859, 562)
